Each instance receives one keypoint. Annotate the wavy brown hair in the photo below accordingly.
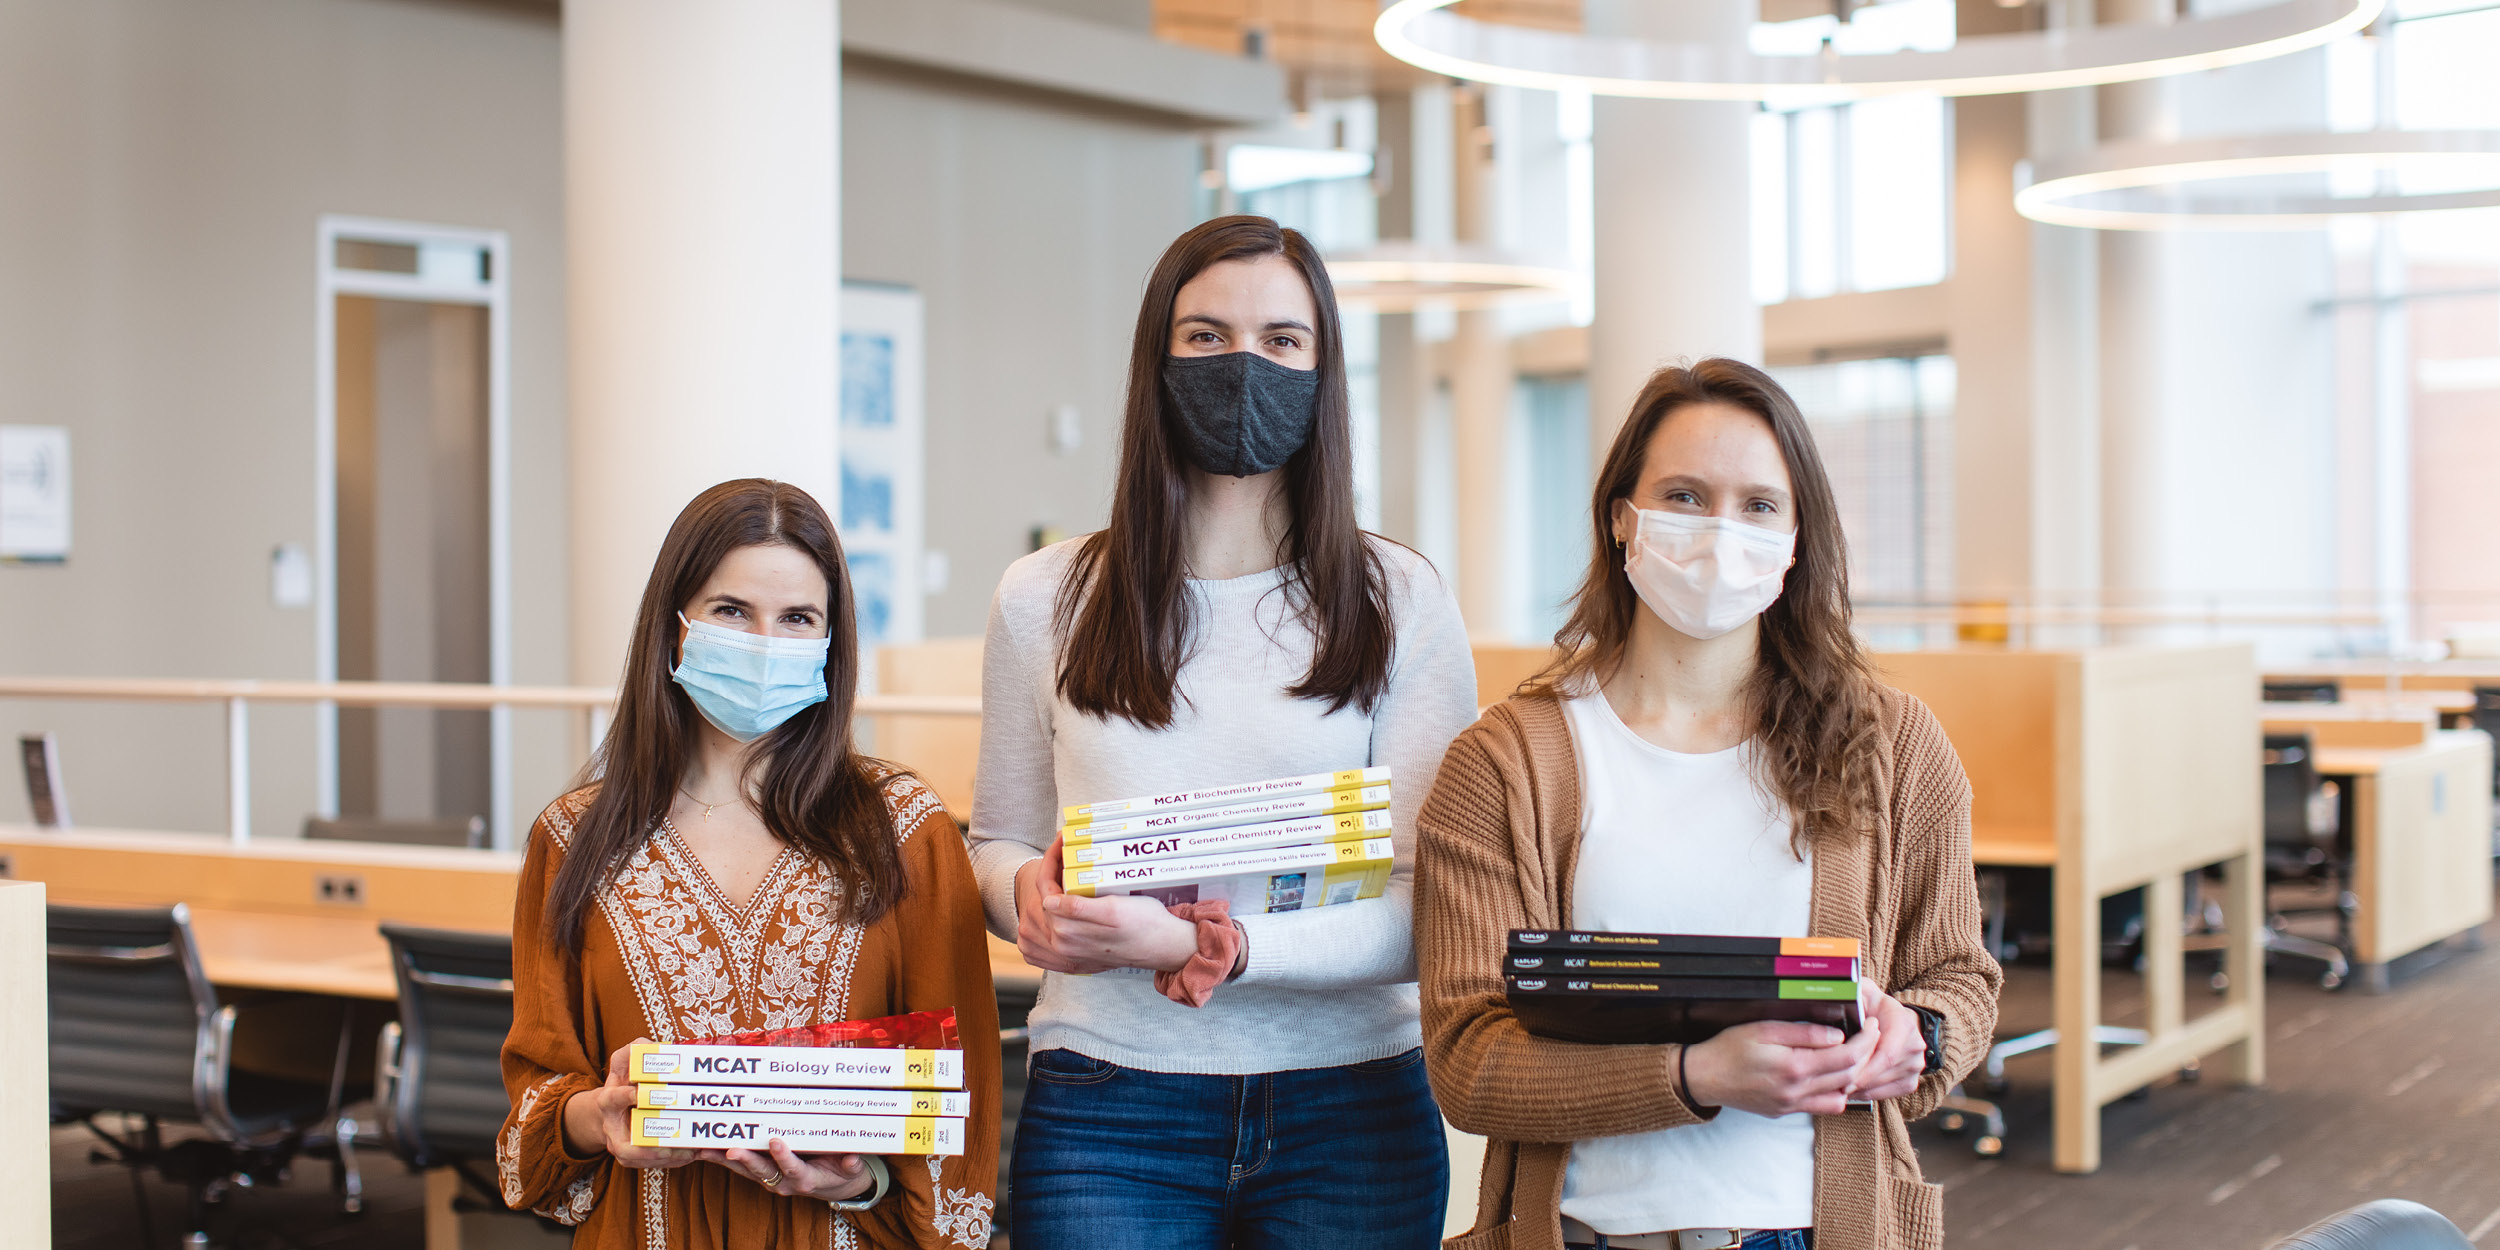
(1813, 690)
(819, 793)
(1124, 611)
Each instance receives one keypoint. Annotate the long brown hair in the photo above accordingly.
(1124, 610)
(1813, 690)
(818, 794)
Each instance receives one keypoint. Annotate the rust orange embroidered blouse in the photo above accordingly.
(666, 956)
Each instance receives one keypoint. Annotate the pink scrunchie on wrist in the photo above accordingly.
(1219, 947)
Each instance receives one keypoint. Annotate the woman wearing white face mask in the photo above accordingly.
(1710, 754)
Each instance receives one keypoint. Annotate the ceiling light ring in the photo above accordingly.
(1423, 34)
(1399, 275)
(2109, 187)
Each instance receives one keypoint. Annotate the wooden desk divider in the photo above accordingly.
(1500, 668)
(25, 1054)
(2128, 766)
(942, 750)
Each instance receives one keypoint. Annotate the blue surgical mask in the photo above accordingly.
(747, 684)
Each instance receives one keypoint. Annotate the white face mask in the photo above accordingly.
(1703, 575)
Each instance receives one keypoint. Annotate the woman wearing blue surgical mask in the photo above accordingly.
(730, 864)
(1711, 753)
(1203, 1079)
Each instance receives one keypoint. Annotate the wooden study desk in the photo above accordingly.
(2116, 768)
(2421, 843)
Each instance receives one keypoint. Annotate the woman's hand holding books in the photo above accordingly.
(1900, 1054)
(601, 1121)
(826, 1178)
(1778, 1067)
(1062, 932)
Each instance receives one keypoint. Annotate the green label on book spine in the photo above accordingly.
(1837, 990)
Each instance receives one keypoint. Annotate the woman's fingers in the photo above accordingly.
(616, 1062)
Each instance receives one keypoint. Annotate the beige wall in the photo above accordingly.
(1027, 222)
(166, 162)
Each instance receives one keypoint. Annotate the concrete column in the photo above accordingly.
(1674, 276)
(1480, 392)
(1404, 377)
(702, 190)
(1990, 330)
(2136, 339)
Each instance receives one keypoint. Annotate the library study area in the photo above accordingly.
(1355, 624)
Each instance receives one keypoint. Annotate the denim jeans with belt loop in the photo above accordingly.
(1116, 1158)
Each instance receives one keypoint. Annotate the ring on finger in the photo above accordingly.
(769, 1181)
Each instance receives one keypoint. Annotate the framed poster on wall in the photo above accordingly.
(882, 481)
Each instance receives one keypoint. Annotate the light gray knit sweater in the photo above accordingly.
(1323, 988)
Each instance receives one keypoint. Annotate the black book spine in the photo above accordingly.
(1609, 963)
(1653, 943)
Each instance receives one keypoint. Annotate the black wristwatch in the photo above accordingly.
(1931, 1027)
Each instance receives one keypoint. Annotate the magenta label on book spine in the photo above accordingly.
(1816, 966)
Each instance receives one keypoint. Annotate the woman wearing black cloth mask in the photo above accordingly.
(1231, 623)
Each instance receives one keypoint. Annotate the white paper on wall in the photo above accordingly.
(34, 492)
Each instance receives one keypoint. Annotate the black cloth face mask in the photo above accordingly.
(1240, 413)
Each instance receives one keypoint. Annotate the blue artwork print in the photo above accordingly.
(867, 381)
(872, 594)
(867, 498)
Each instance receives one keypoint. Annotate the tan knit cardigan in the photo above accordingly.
(1497, 841)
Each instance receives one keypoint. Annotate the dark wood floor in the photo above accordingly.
(2396, 1096)
(2367, 1097)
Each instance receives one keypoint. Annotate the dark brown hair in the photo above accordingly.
(1124, 610)
(819, 794)
(1813, 689)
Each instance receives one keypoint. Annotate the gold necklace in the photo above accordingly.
(707, 807)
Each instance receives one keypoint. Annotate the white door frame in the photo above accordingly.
(493, 292)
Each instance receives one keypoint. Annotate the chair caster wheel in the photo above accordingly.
(1988, 1146)
(2222, 983)
(2330, 979)
(352, 1206)
(2191, 1074)
(1951, 1123)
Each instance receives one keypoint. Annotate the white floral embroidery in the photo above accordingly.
(508, 1147)
(652, 1189)
(579, 1199)
(959, 1215)
(840, 1235)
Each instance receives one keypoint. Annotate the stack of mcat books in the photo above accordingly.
(1647, 988)
(890, 1086)
(1261, 846)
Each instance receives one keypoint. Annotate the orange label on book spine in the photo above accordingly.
(1838, 948)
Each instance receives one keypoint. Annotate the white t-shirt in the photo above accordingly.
(1675, 843)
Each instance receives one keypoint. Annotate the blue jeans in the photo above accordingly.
(1114, 1158)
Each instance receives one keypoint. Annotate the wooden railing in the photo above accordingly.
(591, 702)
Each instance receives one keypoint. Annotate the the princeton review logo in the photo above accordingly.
(659, 1126)
(659, 1065)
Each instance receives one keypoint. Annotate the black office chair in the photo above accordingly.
(439, 1068)
(2303, 692)
(2298, 851)
(2387, 1224)
(136, 1028)
(469, 832)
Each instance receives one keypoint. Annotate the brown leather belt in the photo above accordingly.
(1576, 1233)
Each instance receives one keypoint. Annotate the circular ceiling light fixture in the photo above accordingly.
(1421, 33)
(1398, 276)
(2154, 185)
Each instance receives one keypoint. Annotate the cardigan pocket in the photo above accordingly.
(1917, 1214)
(1494, 1238)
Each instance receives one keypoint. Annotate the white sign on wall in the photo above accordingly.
(880, 516)
(34, 492)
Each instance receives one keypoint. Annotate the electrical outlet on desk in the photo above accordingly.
(340, 889)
